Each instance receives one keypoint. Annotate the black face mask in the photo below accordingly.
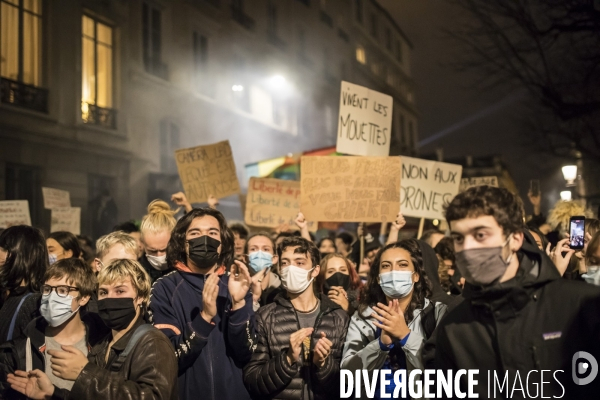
(117, 313)
(203, 251)
(337, 279)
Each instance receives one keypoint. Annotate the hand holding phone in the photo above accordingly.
(577, 232)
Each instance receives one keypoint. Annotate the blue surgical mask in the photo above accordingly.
(260, 260)
(396, 284)
(52, 258)
(593, 275)
(55, 309)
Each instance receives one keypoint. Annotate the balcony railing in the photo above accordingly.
(104, 117)
(326, 18)
(22, 95)
(156, 68)
(242, 18)
(275, 40)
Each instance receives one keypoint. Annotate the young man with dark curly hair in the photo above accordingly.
(520, 324)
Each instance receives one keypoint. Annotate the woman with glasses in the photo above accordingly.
(54, 342)
(23, 263)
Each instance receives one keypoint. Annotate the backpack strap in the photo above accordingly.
(13, 321)
(117, 364)
(428, 321)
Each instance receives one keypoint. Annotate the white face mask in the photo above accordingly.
(593, 275)
(295, 279)
(157, 262)
(55, 309)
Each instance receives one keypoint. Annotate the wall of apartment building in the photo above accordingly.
(196, 107)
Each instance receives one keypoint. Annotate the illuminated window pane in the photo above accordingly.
(21, 40)
(10, 41)
(104, 34)
(97, 65)
(32, 49)
(361, 57)
(104, 76)
(88, 83)
(35, 6)
(88, 27)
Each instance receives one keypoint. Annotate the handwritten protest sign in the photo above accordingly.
(365, 121)
(55, 198)
(14, 212)
(467, 183)
(66, 219)
(206, 170)
(426, 186)
(350, 189)
(272, 202)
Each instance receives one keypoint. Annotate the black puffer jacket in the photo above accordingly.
(535, 321)
(269, 374)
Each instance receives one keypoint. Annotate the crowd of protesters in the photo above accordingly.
(196, 307)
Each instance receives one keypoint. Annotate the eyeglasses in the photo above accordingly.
(61, 290)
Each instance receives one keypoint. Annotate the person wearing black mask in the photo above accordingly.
(133, 361)
(339, 281)
(206, 314)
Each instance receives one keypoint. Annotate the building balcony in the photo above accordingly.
(22, 95)
(104, 117)
(276, 41)
(242, 18)
(156, 67)
(326, 19)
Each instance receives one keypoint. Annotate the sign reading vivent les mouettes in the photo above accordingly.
(365, 121)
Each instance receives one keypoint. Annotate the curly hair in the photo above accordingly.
(504, 206)
(371, 293)
(176, 248)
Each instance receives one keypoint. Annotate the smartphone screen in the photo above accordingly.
(577, 232)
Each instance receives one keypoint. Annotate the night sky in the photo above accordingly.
(456, 116)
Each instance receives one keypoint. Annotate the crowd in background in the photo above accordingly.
(186, 305)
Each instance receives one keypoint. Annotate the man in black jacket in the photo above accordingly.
(516, 322)
(300, 335)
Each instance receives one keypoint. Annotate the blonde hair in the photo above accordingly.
(119, 270)
(160, 218)
(561, 213)
(104, 244)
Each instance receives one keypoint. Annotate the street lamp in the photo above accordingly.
(570, 174)
(565, 195)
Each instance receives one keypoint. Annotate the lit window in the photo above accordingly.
(361, 56)
(21, 36)
(97, 72)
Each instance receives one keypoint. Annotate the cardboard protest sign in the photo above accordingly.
(350, 189)
(66, 219)
(14, 212)
(365, 121)
(206, 170)
(55, 198)
(466, 183)
(427, 186)
(272, 202)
